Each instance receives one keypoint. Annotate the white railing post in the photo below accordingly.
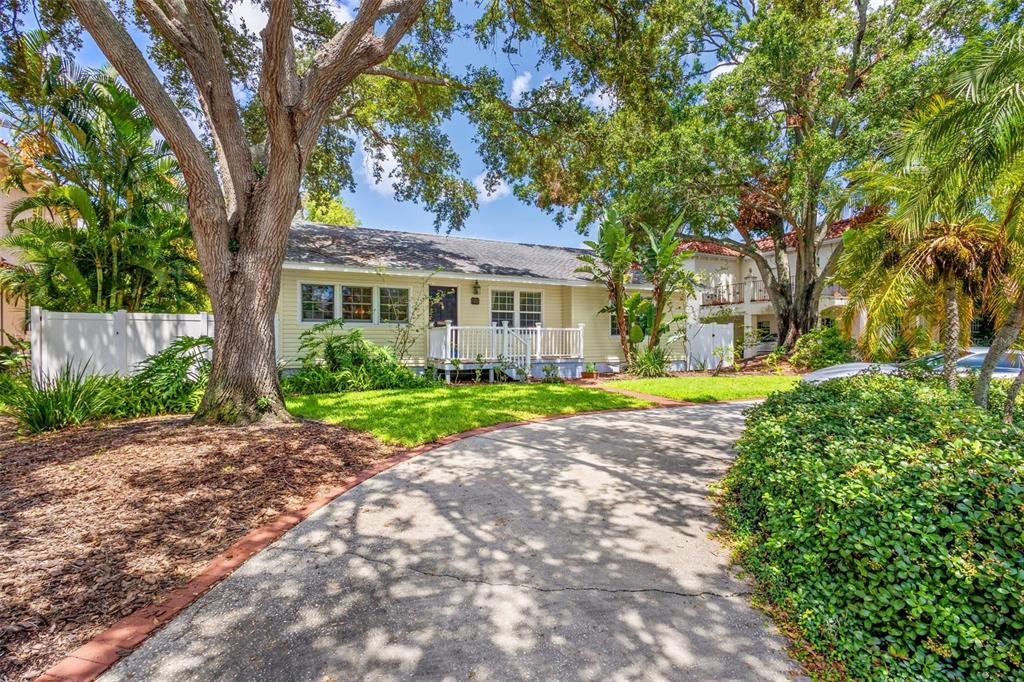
(36, 343)
(539, 351)
(504, 338)
(494, 340)
(580, 341)
(448, 339)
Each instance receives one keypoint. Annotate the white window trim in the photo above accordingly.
(375, 321)
(298, 299)
(374, 301)
(515, 304)
(376, 307)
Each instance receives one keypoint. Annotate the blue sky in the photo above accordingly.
(499, 216)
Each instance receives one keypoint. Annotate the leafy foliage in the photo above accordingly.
(104, 225)
(332, 211)
(68, 398)
(883, 515)
(650, 363)
(335, 360)
(821, 347)
(169, 382)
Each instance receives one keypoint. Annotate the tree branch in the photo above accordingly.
(189, 28)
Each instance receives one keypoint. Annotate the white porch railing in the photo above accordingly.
(490, 344)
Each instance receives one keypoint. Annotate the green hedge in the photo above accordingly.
(886, 517)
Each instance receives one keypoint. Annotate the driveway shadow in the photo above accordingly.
(574, 550)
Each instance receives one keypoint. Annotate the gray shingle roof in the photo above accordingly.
(371, 248)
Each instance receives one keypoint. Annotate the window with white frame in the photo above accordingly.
(614, 324)
(394, 305)
(317, 302)
(518, 308)
(529, 308)
(357, 304)
(503, 308)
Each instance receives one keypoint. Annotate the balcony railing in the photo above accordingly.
(726, 294)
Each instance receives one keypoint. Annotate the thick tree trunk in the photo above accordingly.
(244, 386)
(1005, 337)
(950, 334)
(1011, 397)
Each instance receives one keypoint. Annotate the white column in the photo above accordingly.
(540, 341)
(582, 347)
(448, 340)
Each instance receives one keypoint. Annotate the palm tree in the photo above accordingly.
(928, 256)
(104, 227)
(611, 263)
(982, 119)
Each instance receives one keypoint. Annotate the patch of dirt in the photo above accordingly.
(98, 521)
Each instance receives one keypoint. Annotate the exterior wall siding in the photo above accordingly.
(554, 309)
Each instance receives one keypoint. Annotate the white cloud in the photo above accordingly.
(251, 12)
(342, 13)
(520, 84)
(388, 165)
(501, 189)
(603, 100)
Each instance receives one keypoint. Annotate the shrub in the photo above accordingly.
(821, 347)
(885, 516)
(334, 360)
(552, 375)
(68, 398)
(650, 363)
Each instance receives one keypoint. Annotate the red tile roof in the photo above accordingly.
(834, 231)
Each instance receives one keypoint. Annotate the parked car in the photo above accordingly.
(970, 361)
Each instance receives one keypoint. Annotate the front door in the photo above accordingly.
(444, 306)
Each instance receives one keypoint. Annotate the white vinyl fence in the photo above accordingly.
(106, 343)
(702, 342)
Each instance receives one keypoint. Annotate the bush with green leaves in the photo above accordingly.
(335, 360)
(69, 397)
(650, 363)
(885, 516)
(821, 347)
(169, 382)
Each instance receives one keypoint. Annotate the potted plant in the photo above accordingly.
(590, 372)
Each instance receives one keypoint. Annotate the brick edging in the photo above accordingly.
(96, 656)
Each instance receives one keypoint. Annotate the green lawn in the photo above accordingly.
(708, 389)
(411, 417)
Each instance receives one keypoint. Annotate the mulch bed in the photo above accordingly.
(98, 521)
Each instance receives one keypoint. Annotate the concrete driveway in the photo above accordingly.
(577, 549)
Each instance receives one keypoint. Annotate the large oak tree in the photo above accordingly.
(742, 116)
(254, 120)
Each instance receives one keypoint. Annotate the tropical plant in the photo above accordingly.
(978, 124)
(663, 263)
(337, 360)
(68, 398)
(104, 226)
(650, 363)
(927, 258)
(610, 263)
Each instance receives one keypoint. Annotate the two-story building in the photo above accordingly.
(731, 287)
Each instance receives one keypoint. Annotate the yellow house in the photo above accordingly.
(452, 302)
